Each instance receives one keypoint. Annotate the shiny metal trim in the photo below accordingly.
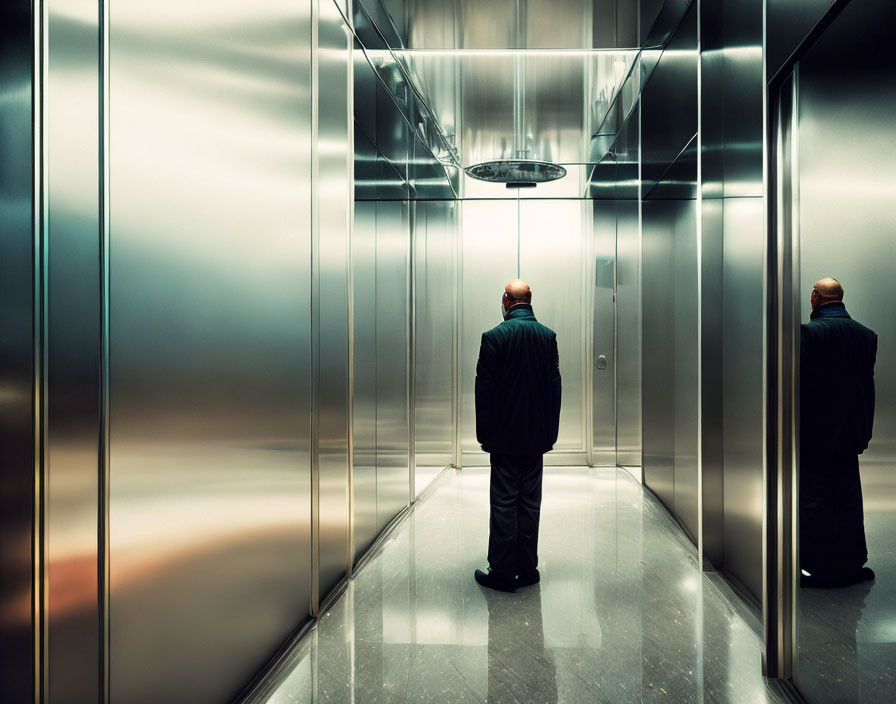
(778, 592)
(103, 548)
(699, 236)
(350, 298)
(411, 313)
(315, 317)
(39, 601)
(458, 340)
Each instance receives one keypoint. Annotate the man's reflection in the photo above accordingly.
(837, 356)
(828, 650)
(519, 669)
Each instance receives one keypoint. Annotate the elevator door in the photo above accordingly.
(546, 243)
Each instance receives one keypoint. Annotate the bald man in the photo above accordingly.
(837, 356)
(517, 421)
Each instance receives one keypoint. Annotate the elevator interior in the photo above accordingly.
(244, 277)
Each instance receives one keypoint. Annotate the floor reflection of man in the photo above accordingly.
(836, 415)
(519, 668)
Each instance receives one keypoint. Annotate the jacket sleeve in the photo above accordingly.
(485, 391)
(556, 390)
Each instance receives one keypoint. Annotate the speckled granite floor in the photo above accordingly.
(622, 613)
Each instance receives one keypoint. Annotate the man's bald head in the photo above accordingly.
(516, 292)
(826, 290)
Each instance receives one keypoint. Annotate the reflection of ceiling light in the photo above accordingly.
(516, 173)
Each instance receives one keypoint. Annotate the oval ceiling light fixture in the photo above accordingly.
(516, 173)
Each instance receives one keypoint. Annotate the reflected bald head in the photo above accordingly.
(826, 290)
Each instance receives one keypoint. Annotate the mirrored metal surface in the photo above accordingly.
(331, 242)
(603, 388)
(670, 356)
(393, 452)
(742, 391)
(435, 247)
(845, 157)
(210, 313)
(629, 337)
(74, 338)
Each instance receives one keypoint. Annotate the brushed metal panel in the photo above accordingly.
(333, 190)
(847, 148)
(364, 374)
(489, 245)
(392, 359)
(742, 390)
(435, 236)
(670, 355)
(74, 337)
(210, 383)
(17, 353)
(732, 97)
(629, 348)
(658, 381)
(499, 24)
(554, 266)
(712, 375)
(603, 358)
(686, 364)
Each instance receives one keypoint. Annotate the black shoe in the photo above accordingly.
(528, 579)
(491, 581)
(866, 574)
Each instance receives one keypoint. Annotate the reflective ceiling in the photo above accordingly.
(514, 79)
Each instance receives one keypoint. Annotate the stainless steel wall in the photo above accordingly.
(731, 105)
(670, 359)
(210, 317)
(603, 359)
(330, 289)
(17, 354)
(629, 348)
(364, 373)
(845, 154)
(435, 297)
(394, 456)
(74, 353)
(788, 23)
(495, 251)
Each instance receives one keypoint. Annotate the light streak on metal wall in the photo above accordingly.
(210, 317)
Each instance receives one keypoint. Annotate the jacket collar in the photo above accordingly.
(830, 310)
(520, 310)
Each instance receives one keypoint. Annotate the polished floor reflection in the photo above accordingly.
(847, 637)
(622, 613)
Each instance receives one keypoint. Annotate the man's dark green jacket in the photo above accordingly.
(518, 386)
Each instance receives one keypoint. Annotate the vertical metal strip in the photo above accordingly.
(791, 575)
(641, 278)
(699, 243)
(589, 273)
(458, 334)
(39, 204)
(350, 298)
(412, 351)
(103, 576)
(315, 316)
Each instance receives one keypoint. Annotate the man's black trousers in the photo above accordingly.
(515, 509)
